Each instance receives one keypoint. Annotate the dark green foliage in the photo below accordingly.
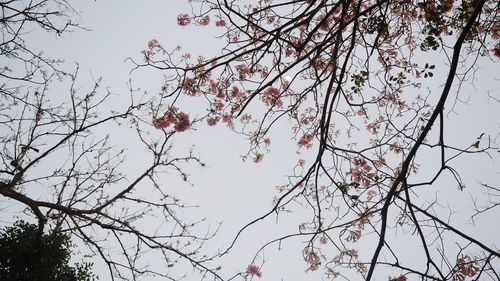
(375, 24)
(429, 43)
(23, 258)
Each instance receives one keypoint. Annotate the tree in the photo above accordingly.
(348, 76)
(61, 167)
(24, 258)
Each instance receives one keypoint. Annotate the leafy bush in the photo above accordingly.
(26, 257)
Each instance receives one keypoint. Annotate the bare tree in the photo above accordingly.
(333, 69)
(60, 164)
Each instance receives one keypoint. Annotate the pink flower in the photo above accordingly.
(371, 194)
(289, 52)
(221, 95)
(305, 140)
(190, 87)
(323, 240)
(264, 72)
(496, 51)
(160, 123)
(254, 270)
(147, 54)
(466, 267)
(354, 235)
(213, 121)
(235, 92)
(312, 257)
(400, 278)
(258, 157)
(235, 108)
(183, 19)
(183, 122)
(272, 91)
(353, 253)
(228, 120)
(218, 105)
(170, 115)
(367, 167)
(213, 87)
(204, 20)
(220, 23)
(179, 120)
(271, 97)
(153, 43)
(243, 71)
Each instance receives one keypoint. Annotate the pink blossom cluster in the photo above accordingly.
(228, 120)
(254, 270)
(221, 94)
(312, 259)
(348, 254)
(212, 121)
(352, 253)
(180, 120)
(354, 235)
(244, 71)
(466, 267)
(305, 119)
(190, 87)
(327, 21)
(246, 118)
(399, 278)
(220, 23)
(389, 58)
(205, 20)
(147, 54)
(395, 147)
(305, 141)
(496, 50)
(258, 158)
(363, 220)
(361, 172)
(185, 20)
(224, 97)
(270, 97)
(153, 45)
(373, 127)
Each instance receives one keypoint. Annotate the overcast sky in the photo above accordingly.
(229, 190)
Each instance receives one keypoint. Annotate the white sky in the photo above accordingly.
(230, 190)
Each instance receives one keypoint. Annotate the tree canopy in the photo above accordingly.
(28, 255)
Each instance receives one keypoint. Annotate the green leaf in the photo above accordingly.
(26, 256)
(476, 144)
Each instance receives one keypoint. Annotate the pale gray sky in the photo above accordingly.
(228, 189)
